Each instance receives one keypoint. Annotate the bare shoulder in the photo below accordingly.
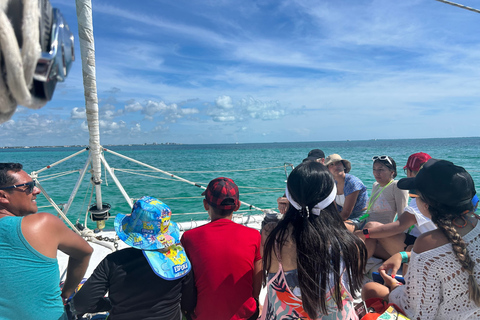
(429, 240)
(44, 220)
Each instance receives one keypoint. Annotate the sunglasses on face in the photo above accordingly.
(30, 186)
(384, 158)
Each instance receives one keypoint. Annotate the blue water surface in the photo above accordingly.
(257, 168)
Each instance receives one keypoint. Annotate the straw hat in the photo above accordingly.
(336, 158)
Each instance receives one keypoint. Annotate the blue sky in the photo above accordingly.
(267, 71)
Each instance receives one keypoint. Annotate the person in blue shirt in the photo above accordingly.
(352, 195)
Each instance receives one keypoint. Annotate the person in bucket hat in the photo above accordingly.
(225, 258)
(443, 269)
(352, 195)
(150, 279)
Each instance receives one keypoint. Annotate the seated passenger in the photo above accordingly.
(352, 195)
(225, 258)
(151, 280)
(386, 201)
(443, 270)
(314, 155)
(314, 265)
(399, 235)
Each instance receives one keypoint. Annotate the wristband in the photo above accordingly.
(366, 233)
(404, 257)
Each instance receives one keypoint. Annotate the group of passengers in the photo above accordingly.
(312, 260)
(441, 270)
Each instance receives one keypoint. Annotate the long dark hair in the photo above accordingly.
(322, 241)
(443, 216)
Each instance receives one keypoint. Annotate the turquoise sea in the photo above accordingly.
(257, 168)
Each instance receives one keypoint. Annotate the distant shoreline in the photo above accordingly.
(233, 143)
(86, 146)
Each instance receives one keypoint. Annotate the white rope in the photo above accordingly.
(212, 171)
(245, 212)
(137, 172)
(19, 65)
(270, 190)
(57, 175)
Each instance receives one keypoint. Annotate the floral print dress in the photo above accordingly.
(282, 301)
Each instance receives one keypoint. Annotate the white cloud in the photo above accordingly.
(137, 128)
(78, 113)
(282, 66)
(224, 102)
(189, 111)
(153, 107)
(226, 110)
(257, 109)
(133, 107)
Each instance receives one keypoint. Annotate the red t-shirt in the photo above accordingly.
(223, 254)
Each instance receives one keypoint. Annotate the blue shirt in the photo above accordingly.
(353, 184)
(29, 281)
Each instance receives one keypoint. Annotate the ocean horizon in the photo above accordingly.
(259, 169)
(231, 143)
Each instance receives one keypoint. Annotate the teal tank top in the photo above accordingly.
(29, 281)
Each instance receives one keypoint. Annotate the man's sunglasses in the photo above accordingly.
(31, 185)
(384, 158)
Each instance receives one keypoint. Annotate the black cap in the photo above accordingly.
(317, 153)
(310, 159)
(443, 182)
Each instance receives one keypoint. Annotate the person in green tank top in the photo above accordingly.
(29, 242)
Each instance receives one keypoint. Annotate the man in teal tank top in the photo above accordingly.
(29, 241)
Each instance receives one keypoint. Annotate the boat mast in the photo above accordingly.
(87, 49)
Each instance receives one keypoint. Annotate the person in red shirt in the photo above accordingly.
(225, 258)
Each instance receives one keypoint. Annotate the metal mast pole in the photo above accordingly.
(87, 49)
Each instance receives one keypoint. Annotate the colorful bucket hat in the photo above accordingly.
(170, 265)
(149, 228)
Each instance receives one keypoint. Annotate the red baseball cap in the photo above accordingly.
(416, 160)
(222, 193)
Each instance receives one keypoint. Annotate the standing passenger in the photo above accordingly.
(225, 258)
(315, 266)
(30, 278)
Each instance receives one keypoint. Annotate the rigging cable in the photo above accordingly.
(459, 5)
